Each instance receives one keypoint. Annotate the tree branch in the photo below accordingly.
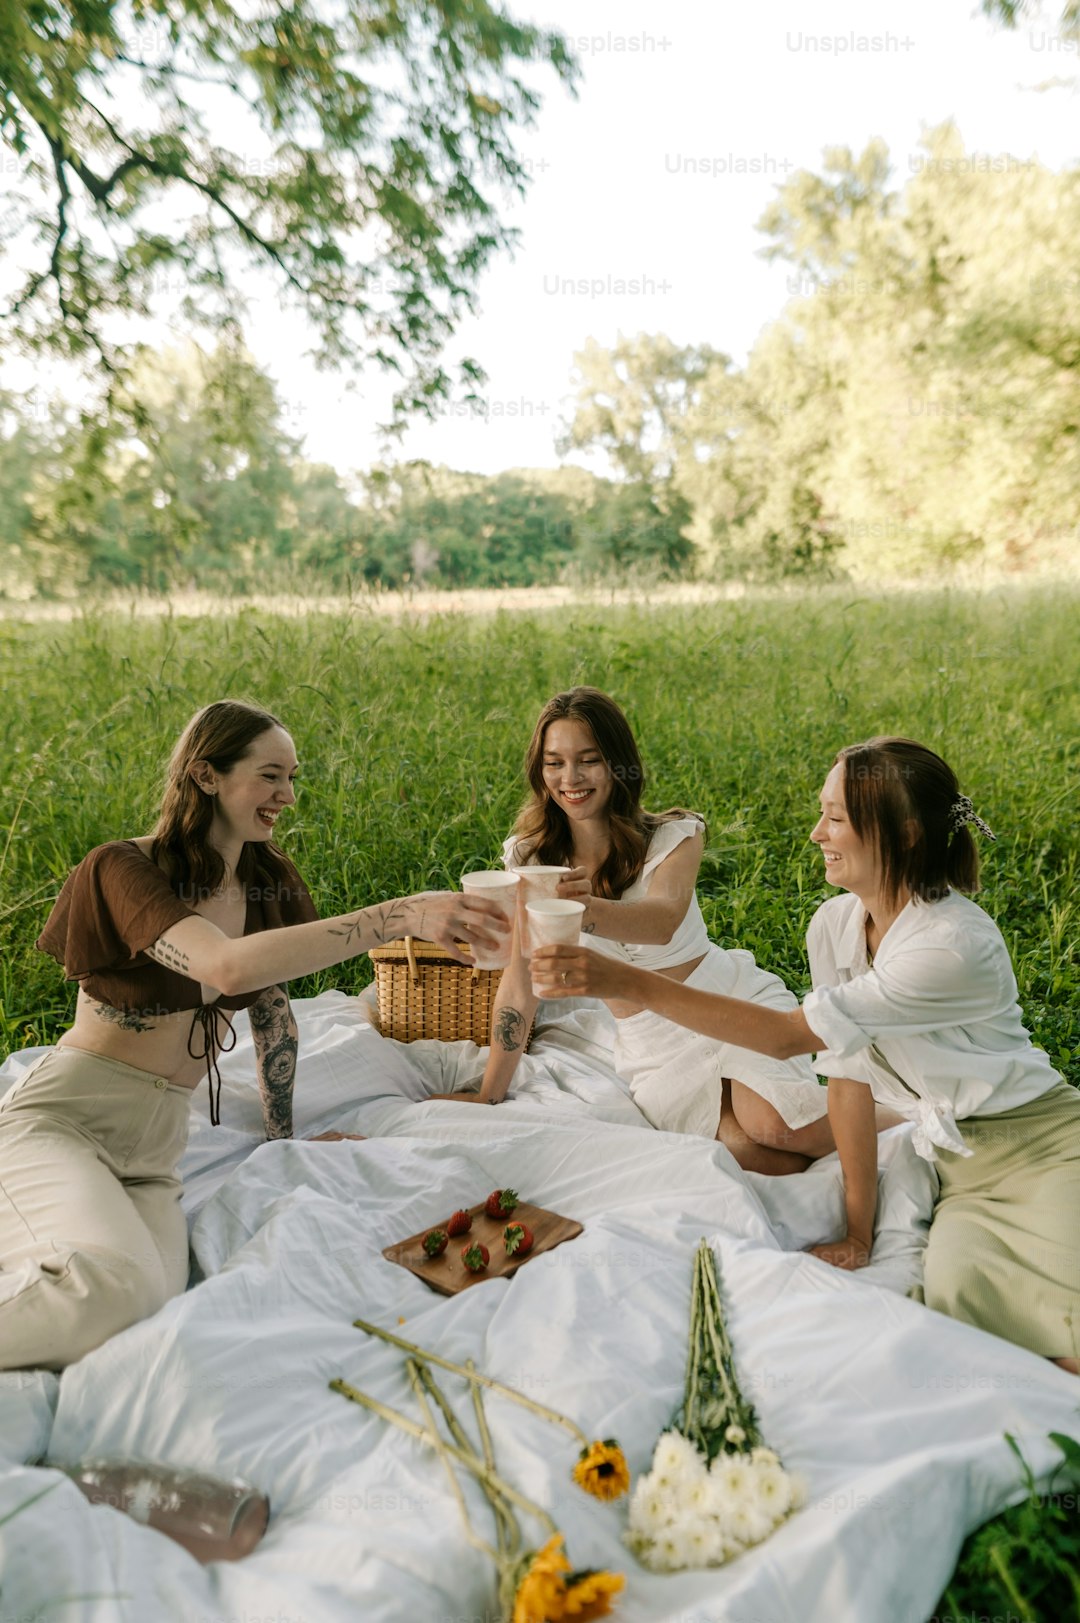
(100, 190)
(53, 268)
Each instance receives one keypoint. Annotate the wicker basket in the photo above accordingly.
(423, 992)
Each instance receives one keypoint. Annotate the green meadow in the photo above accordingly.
(411, 734)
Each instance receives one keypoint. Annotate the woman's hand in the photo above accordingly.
(465, 1098)
(577, 972)
(849, 1253)
(573, 886)
(449, 916)
(333, 1138)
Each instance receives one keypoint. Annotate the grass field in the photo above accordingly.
(411, 736)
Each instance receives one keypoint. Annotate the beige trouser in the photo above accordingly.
(92, 1237)
(1003, 1250)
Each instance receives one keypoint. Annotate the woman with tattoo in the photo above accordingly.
(636, 872)
(914, 1004)
(167, 935)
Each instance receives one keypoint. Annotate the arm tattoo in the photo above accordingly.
(126, 1019)
(273, 1031)
(163, 952)
(588, 929)
(509, 1029)
(386, 923)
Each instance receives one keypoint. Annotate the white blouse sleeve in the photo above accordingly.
(824, 973)
(926, 988)
(511, 854)
(664, 842)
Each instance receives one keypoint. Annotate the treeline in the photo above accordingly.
(216, 494)
(915, 405)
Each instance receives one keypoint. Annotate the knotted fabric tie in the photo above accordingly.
(206, 1019)
(936, 1124)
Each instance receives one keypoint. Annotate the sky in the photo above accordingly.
(646, 187)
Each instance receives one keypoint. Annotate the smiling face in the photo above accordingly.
(850, 861)
(575, 773)
(250, 796)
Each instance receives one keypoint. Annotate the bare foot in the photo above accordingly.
(1072, 1365)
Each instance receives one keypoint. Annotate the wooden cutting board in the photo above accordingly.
(449, 1274)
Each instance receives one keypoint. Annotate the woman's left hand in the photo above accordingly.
(576, 972)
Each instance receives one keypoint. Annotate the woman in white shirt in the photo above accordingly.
(635, 872)
(914, 1004)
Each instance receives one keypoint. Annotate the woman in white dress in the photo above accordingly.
(636, 871)
(914, 1004)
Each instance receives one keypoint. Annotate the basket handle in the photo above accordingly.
(414, 971)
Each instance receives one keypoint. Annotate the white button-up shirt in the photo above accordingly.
(933, 1026)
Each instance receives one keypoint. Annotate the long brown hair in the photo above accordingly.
(543, 829)
(900, 796)
(221, 733)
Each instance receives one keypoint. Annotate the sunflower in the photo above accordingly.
(589, 1594)
(541, 1592)
(602, 1470)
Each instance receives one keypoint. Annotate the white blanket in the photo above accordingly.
(894, 1415)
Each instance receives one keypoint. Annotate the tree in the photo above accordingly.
(916, 402)
(632, 401)
(365, 140)
(24, 456)
(945, 320)
(635, 402)
(636, 527)
(462, 529)
(213, 494)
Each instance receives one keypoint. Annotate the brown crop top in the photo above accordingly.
(116, 903)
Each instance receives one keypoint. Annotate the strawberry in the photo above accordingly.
(475, 1257)
(460, 1223)
(501, 1202)
(435, 1242)
(518, 1240)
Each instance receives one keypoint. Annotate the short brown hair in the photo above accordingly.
(892, 783)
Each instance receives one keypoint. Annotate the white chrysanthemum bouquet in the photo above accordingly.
(714, 1488)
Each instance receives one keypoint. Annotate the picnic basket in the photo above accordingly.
(423, 992)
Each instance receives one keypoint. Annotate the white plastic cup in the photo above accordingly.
(500, 887)
(554, 922)
(538, 881)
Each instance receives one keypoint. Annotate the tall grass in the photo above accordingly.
(411, 736)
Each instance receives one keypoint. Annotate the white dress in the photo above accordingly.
(675, 1075)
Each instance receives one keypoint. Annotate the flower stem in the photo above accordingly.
(507, 1531)
(742, 1413)
(470, 1460)
(693, 1352)
(712, 1384)
(454, 1426)
(474, 1538)
(469, 1373)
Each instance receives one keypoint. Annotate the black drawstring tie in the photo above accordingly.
(206, 1017)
